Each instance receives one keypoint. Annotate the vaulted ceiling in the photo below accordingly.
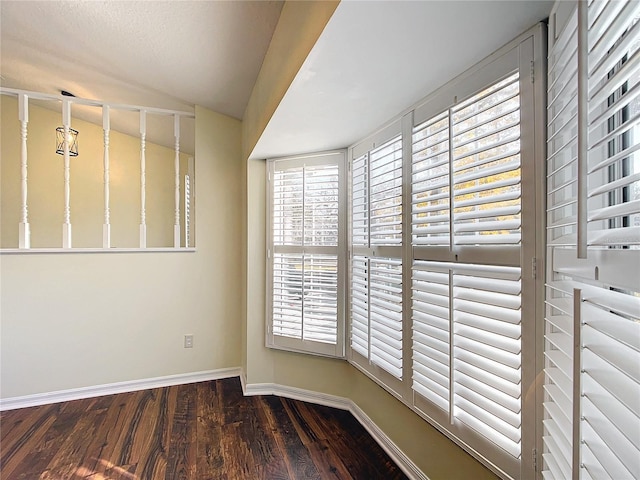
(168, 54)
(373, 60)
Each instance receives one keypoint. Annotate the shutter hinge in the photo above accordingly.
(533, 71)
(534, 454)
(534, 267)
(268, 253)
(349, 166)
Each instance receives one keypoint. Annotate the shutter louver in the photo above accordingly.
(385, 201)
(287, 295)
(360, 305)
(360, 201)
(385, 287)
(430, 182)
(486, 165)
(608, 357)
(321, 206)
(287, 206)
(431, 339)
(320, 298)
(487, 346)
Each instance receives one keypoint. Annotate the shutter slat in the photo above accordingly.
(487, 125)
(430, 182)
(607, 455)
(430, 306)
(385, 286)
(621, 419)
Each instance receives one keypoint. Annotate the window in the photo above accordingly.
(592, 322)
(443, 247)
(306, 254)
(376, 267)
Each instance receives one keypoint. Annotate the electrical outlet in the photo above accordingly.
(188, 341)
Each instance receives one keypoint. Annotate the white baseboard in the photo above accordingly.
(119, 387)
(406, 465)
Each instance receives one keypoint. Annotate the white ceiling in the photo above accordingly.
(376, 59)
(165, 54)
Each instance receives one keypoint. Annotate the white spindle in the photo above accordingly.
(143, 179)
(176, 224)
(24, 240)
(66, 227)
(106, 227)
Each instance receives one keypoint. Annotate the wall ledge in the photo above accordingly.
(32, 251)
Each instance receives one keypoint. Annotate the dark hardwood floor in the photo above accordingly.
(198, 431)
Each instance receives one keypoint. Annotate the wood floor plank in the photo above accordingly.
(20, 447)
(210, 462)
(103, 452)
(181, 463)
(69, 458)
(198, 431)
(300, 464)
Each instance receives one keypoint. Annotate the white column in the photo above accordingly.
(66, 226)
(176, 223)
(143, 180)
(24, 240)
(106, 227)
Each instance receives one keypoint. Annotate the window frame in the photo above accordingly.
(525, 52)
(338, 158)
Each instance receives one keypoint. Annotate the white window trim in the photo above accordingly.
(297, 345)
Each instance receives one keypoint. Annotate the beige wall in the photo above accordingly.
(71, 320)
(46, 187)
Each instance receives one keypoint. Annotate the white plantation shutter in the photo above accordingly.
(430, 182)
(287, 295)
(466, 318)
(360, 201)
(431, 302)
(486, 166)
(360, 305)
(385, 314)
(376, 295)
(304, 254)
(444, 297)
(592, 331)
(385, 193)
(487, 346)
(467, 346)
